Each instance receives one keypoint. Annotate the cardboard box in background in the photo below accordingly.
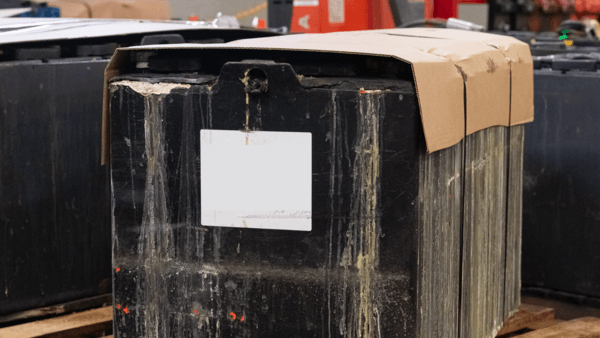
(113, 9)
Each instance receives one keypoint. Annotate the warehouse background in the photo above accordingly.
(207, 10)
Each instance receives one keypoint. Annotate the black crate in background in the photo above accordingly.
(54, 205)
(548, 43)
(55, 223)
(561, 201)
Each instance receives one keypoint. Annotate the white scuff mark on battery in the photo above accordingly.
(333, 162)
(155, 243)
(363, 91)
(478, 165)
(378, 322)
(127, 141)
(146, 88)
(453, 178)
(201, 314)
(362, 245)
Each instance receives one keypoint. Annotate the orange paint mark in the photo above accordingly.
(232, 315)
(362, 91)
(118, 306)
(117, 269)
(196, 312)
(125, 310)
(242, 319)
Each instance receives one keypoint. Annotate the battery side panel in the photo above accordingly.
(54, 194)
(352, 275)
(440, 224)
(561, 204)
(514, 220)
(484, 232)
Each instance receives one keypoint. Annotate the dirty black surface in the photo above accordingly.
(353, 275)
(55, 224)
(54, 194)
(561, 204)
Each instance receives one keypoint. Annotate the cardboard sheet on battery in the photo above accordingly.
(516, 52)
(498, 69)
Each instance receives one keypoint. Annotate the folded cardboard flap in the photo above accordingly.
(517, 53)
(494, 73)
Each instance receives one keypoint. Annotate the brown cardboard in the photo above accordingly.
(72, 9)
(113, 9)
(516, 52)
(495, 73)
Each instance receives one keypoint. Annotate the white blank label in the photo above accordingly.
(256, 179)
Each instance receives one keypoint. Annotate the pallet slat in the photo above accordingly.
(74, 325)
(527, 316)
(544, 324)
(77, 305)
(585, 327)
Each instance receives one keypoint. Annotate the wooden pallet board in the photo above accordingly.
(586, 327)
(59, 309)
(73, 325)
(527, 316)
(538, 322)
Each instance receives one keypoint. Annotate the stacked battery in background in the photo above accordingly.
(403, 243)
(548, 43)
(54, 194)
(561, 208)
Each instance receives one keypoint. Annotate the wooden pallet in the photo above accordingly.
(538, 322)
(91, 323)
(530, 322)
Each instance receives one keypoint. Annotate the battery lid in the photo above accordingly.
(465, 81)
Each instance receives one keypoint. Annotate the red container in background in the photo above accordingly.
(321, 16)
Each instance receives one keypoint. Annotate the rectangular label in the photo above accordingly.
(306, 3)
(336, 11)
(256, 179)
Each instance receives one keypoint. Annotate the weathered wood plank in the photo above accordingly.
(586, 327)
(514, 216)
(440, 191)
(484, 232)
(73, 325)
(527, 316)
(77, 305)
(544, 324)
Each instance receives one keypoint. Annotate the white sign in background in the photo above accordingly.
(256, 179)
